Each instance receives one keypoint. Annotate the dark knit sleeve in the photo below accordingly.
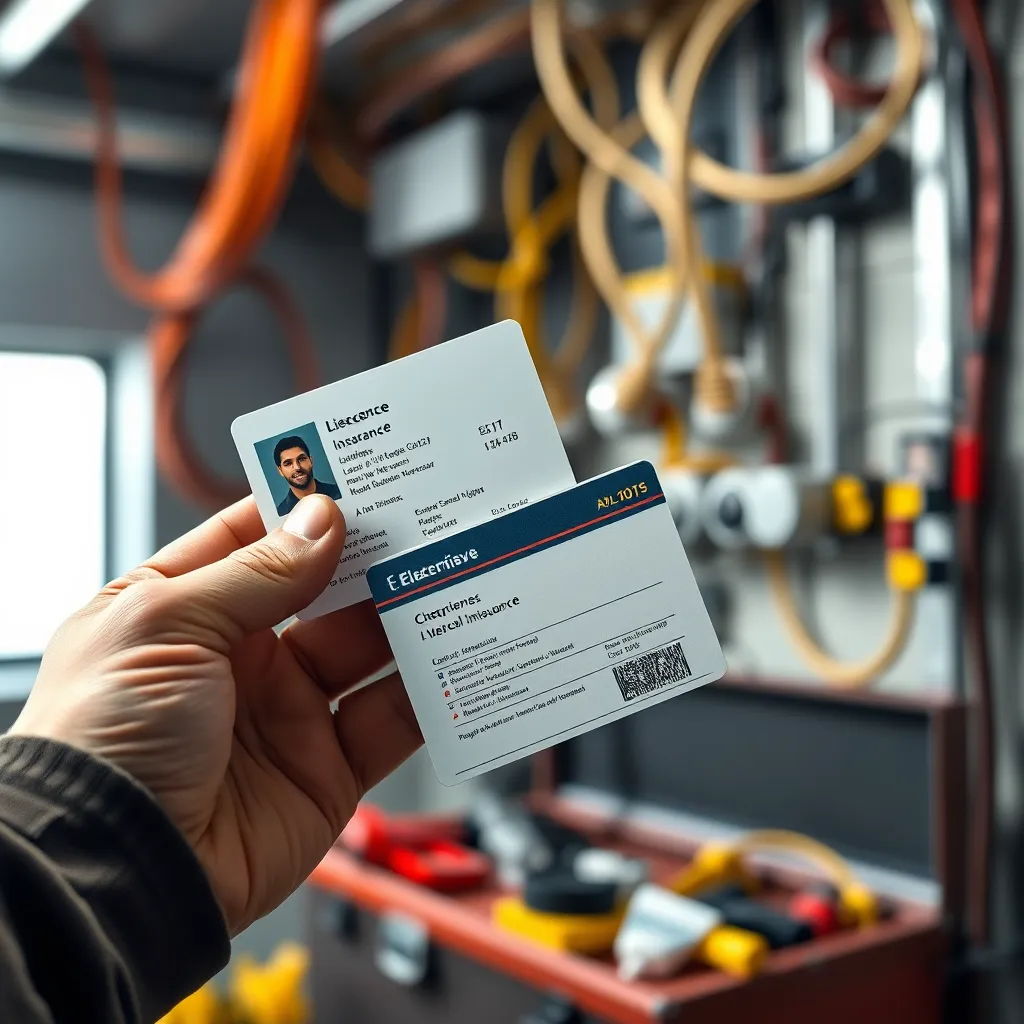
(105, 912)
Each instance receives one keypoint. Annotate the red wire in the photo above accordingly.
(846, 90)
(988, 311)
(179, 460)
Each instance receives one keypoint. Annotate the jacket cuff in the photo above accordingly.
(115, 846)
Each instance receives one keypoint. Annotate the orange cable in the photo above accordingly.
(178, 459)
(242, 200)
(253, 172)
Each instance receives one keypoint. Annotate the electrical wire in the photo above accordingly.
(675, 454)
(421, 321)
(668, 113)
(498, 38)
(253, 172)
(415, 21)
(336, 171)
(608, 154)
(828, 861)
(667, 119)
(668, 110)
(847, 91)
(494, 39)
(852, 675)
(991, 276)
(180, 462)
(241, 202)
(517, 281)
(706, 38)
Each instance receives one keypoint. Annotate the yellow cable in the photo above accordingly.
(858, 905)
(527, 265)
(518, 280)
(560, 365)
(848, 674)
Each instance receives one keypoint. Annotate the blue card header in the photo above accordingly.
(498, 542)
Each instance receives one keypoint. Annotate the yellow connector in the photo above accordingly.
(904, 501)
(589, 934)
(714, 865)
(733, 950)
(906, 570)
(858, 905)
(852, 511)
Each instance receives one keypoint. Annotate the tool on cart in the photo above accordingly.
(512, 838)
(778, 928)
(596, 865)
(586, 934)
(660, 932)
(430, 857)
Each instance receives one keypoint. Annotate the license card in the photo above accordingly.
(412, 450)
(563, 616)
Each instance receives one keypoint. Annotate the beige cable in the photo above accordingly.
(852, 675)
(669, 129)
(707, 36)
(668, 121)
(604, 150)
(705, 27)
(559, 366)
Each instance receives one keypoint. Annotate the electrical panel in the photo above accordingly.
(436, 186)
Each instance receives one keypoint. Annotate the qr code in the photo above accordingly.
(652, 671)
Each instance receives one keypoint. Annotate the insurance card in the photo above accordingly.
(412, 450)
(563, 616)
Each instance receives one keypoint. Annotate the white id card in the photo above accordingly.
(412, 450)
(546, 623)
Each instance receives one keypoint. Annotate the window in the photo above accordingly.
(53, 494)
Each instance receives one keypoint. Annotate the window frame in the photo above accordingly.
(130, 463)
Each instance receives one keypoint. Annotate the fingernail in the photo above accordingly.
(310, 519)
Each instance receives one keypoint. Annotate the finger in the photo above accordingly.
(377, 731)
(236, 527)
(341, 649)
(258, 586)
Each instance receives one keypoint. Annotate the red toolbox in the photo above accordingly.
(880, 779)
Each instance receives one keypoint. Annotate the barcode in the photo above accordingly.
(652, 671)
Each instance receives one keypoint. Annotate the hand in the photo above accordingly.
(175, 674)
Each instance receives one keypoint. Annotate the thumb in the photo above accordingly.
(259, 586)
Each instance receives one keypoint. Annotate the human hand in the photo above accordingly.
(174, 674)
